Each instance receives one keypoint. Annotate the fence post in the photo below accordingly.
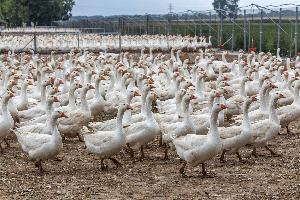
(261, 31)
(232, 35)
(147, 24)
(296, 32)
(209, 30)
(245, 28)
(34, 43)
(279, 29)
(221, 30)
(120, 37)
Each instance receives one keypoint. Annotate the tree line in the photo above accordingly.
(40, 12)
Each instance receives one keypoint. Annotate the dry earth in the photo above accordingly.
(79, 176)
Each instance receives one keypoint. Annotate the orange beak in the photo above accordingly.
(102, 78)
(282, 96)
(193, 97)
(254, 98)
(55, 99)
(129, 107)
(136, 94)
(11, 94)
(218, 94)
(223, 106)
(63, 115)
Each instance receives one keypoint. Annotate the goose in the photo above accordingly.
(6, 120)
(266, 130)
(43, 115)
(195, 149)
(127, 118)
(106, 144)
(22, 101)
(181, 128)
(68, 101)
(98, 104)
(41, 147)
(235, 137)
(141, 133)
(71, 126)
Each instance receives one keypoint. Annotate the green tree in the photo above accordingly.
(226, 8)
(14, 12)
(41, 12)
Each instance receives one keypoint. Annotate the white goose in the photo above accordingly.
(6, 120)
(141, 133)
(196, 149)
(106, 144)
(41, 147)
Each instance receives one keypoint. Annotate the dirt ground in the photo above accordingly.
(79, 176)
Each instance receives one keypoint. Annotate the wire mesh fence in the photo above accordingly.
(253, 28)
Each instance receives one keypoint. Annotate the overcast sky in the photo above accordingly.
(131, 7)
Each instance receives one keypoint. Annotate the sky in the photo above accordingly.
(131, 7)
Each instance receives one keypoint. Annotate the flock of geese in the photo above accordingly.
(95, 42)
(200, 108)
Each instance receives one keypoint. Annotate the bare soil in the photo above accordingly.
(78, 175)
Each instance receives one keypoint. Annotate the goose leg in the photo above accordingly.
(1, 149)
(254, 152)
(116, 162)
(160, 141)
(6, 142)
(63, 138)
(142, 153)
(80, 137)
(181, 170)
(130, 151)
(222, 157)
(204, 172)
(166, 152)
(39, 165)
(287, 129)
(273, 153)
(103, 167)
(239, 156)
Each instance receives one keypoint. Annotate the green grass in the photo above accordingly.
(269, 34)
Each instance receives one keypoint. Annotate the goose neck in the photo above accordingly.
(273, 117)
(246, 120)
(24, 91)
(119, 121)
(213, 130)
(84, 104)
(97, 88)
(72, 99)
(242, 88)
(262, 102)
(199, 86)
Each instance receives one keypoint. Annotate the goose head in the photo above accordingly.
(58, 114)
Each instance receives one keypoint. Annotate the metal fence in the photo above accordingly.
(255, 27)
(264, 28)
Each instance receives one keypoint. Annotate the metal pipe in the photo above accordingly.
(34, 43)
(209, 30)
(232, 35)
(147, 24)
(261, 31)
(296, 32)
(245, 31)
(221, 30)
(279, 29)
